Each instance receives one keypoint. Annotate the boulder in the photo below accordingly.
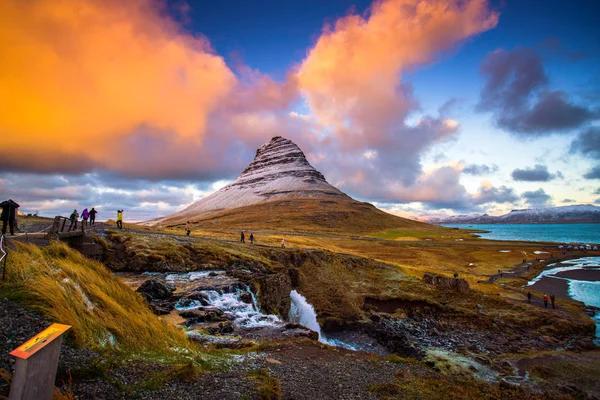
(156, 290)
(444, 283)
(274, 294)
(161, 307)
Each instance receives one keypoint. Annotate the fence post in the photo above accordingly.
(3, 255)
(35, 369)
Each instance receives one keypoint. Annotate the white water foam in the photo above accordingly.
(303, 313)
(244, 314)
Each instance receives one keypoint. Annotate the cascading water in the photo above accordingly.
(303, 313)
(244, 314)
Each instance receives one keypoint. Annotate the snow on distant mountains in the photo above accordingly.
(279, 171)
(565, 214)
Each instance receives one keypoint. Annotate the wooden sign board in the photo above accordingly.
(37, 360)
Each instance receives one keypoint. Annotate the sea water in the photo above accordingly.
(587, 292)
(561, 233)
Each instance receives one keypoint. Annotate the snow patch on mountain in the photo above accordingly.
(279, 171)
(564, 214)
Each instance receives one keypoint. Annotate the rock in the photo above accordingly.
(246, 298)
(274, 294)
(226, 327)
(405, 374)
(201, 297)
(502, 340)
(202, 316)
(273, 361)
(584, 344)
(294, 274)
(161, 307)
(443, 283)
(156, 289)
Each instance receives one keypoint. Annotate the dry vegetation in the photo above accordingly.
(105, 315)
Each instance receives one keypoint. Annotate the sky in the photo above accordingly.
(421, 107)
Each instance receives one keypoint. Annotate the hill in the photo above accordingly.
(281, 190)
(565, 214)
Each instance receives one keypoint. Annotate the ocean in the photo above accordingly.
(561, 233)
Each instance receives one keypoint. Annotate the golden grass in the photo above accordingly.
(71, 289)
(267, 387)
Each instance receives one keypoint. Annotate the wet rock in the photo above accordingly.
(246, 298)
(202, 316)
(274, 294)
(161, 307)
(201, 297)
(443, 283)
(294, 274)
(226, 327)
(584, 344)
(502, 340)
(155, 289)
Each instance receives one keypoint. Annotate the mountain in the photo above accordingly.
(564, 214)
(281, 190)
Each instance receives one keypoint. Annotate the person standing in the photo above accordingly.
(251, 238)
(120, 219)
(242, 238)
(93, 213)
(84, 216)
(283, 243)
(529, 297)
(73, 217)
(552, 300)
(187, 228)
(545, 301)
(9, 215)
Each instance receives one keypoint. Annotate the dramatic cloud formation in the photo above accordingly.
(537, 199)
(538, 173)
(120, 90)
(480, 169)
(516, 92)
(352, 80)
(77, 81)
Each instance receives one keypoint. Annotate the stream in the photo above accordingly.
(214, 308)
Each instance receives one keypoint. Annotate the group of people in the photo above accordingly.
(243, 239)
(545, 298)
(85, 215)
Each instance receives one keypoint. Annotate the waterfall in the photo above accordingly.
(304, 314)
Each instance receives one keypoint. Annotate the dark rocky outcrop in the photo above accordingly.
(274, 294)
(156, 290)
(158, 295)
(443, 283)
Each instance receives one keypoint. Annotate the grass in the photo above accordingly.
(437, 387)
(103, 312)
(267, 387)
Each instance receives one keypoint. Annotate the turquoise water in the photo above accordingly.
(562, 233)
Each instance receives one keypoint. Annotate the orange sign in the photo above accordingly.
(39, 341)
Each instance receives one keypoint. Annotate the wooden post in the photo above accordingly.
(3, 255)
(63, 225)
(37, 360)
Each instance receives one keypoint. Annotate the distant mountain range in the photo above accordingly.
(564, 214)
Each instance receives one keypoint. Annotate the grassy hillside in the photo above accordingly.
(305, 215)
(74, 290)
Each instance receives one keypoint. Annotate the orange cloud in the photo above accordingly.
(77, 78)
(352, 76)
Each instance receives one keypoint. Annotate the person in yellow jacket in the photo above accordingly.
(120, 219)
